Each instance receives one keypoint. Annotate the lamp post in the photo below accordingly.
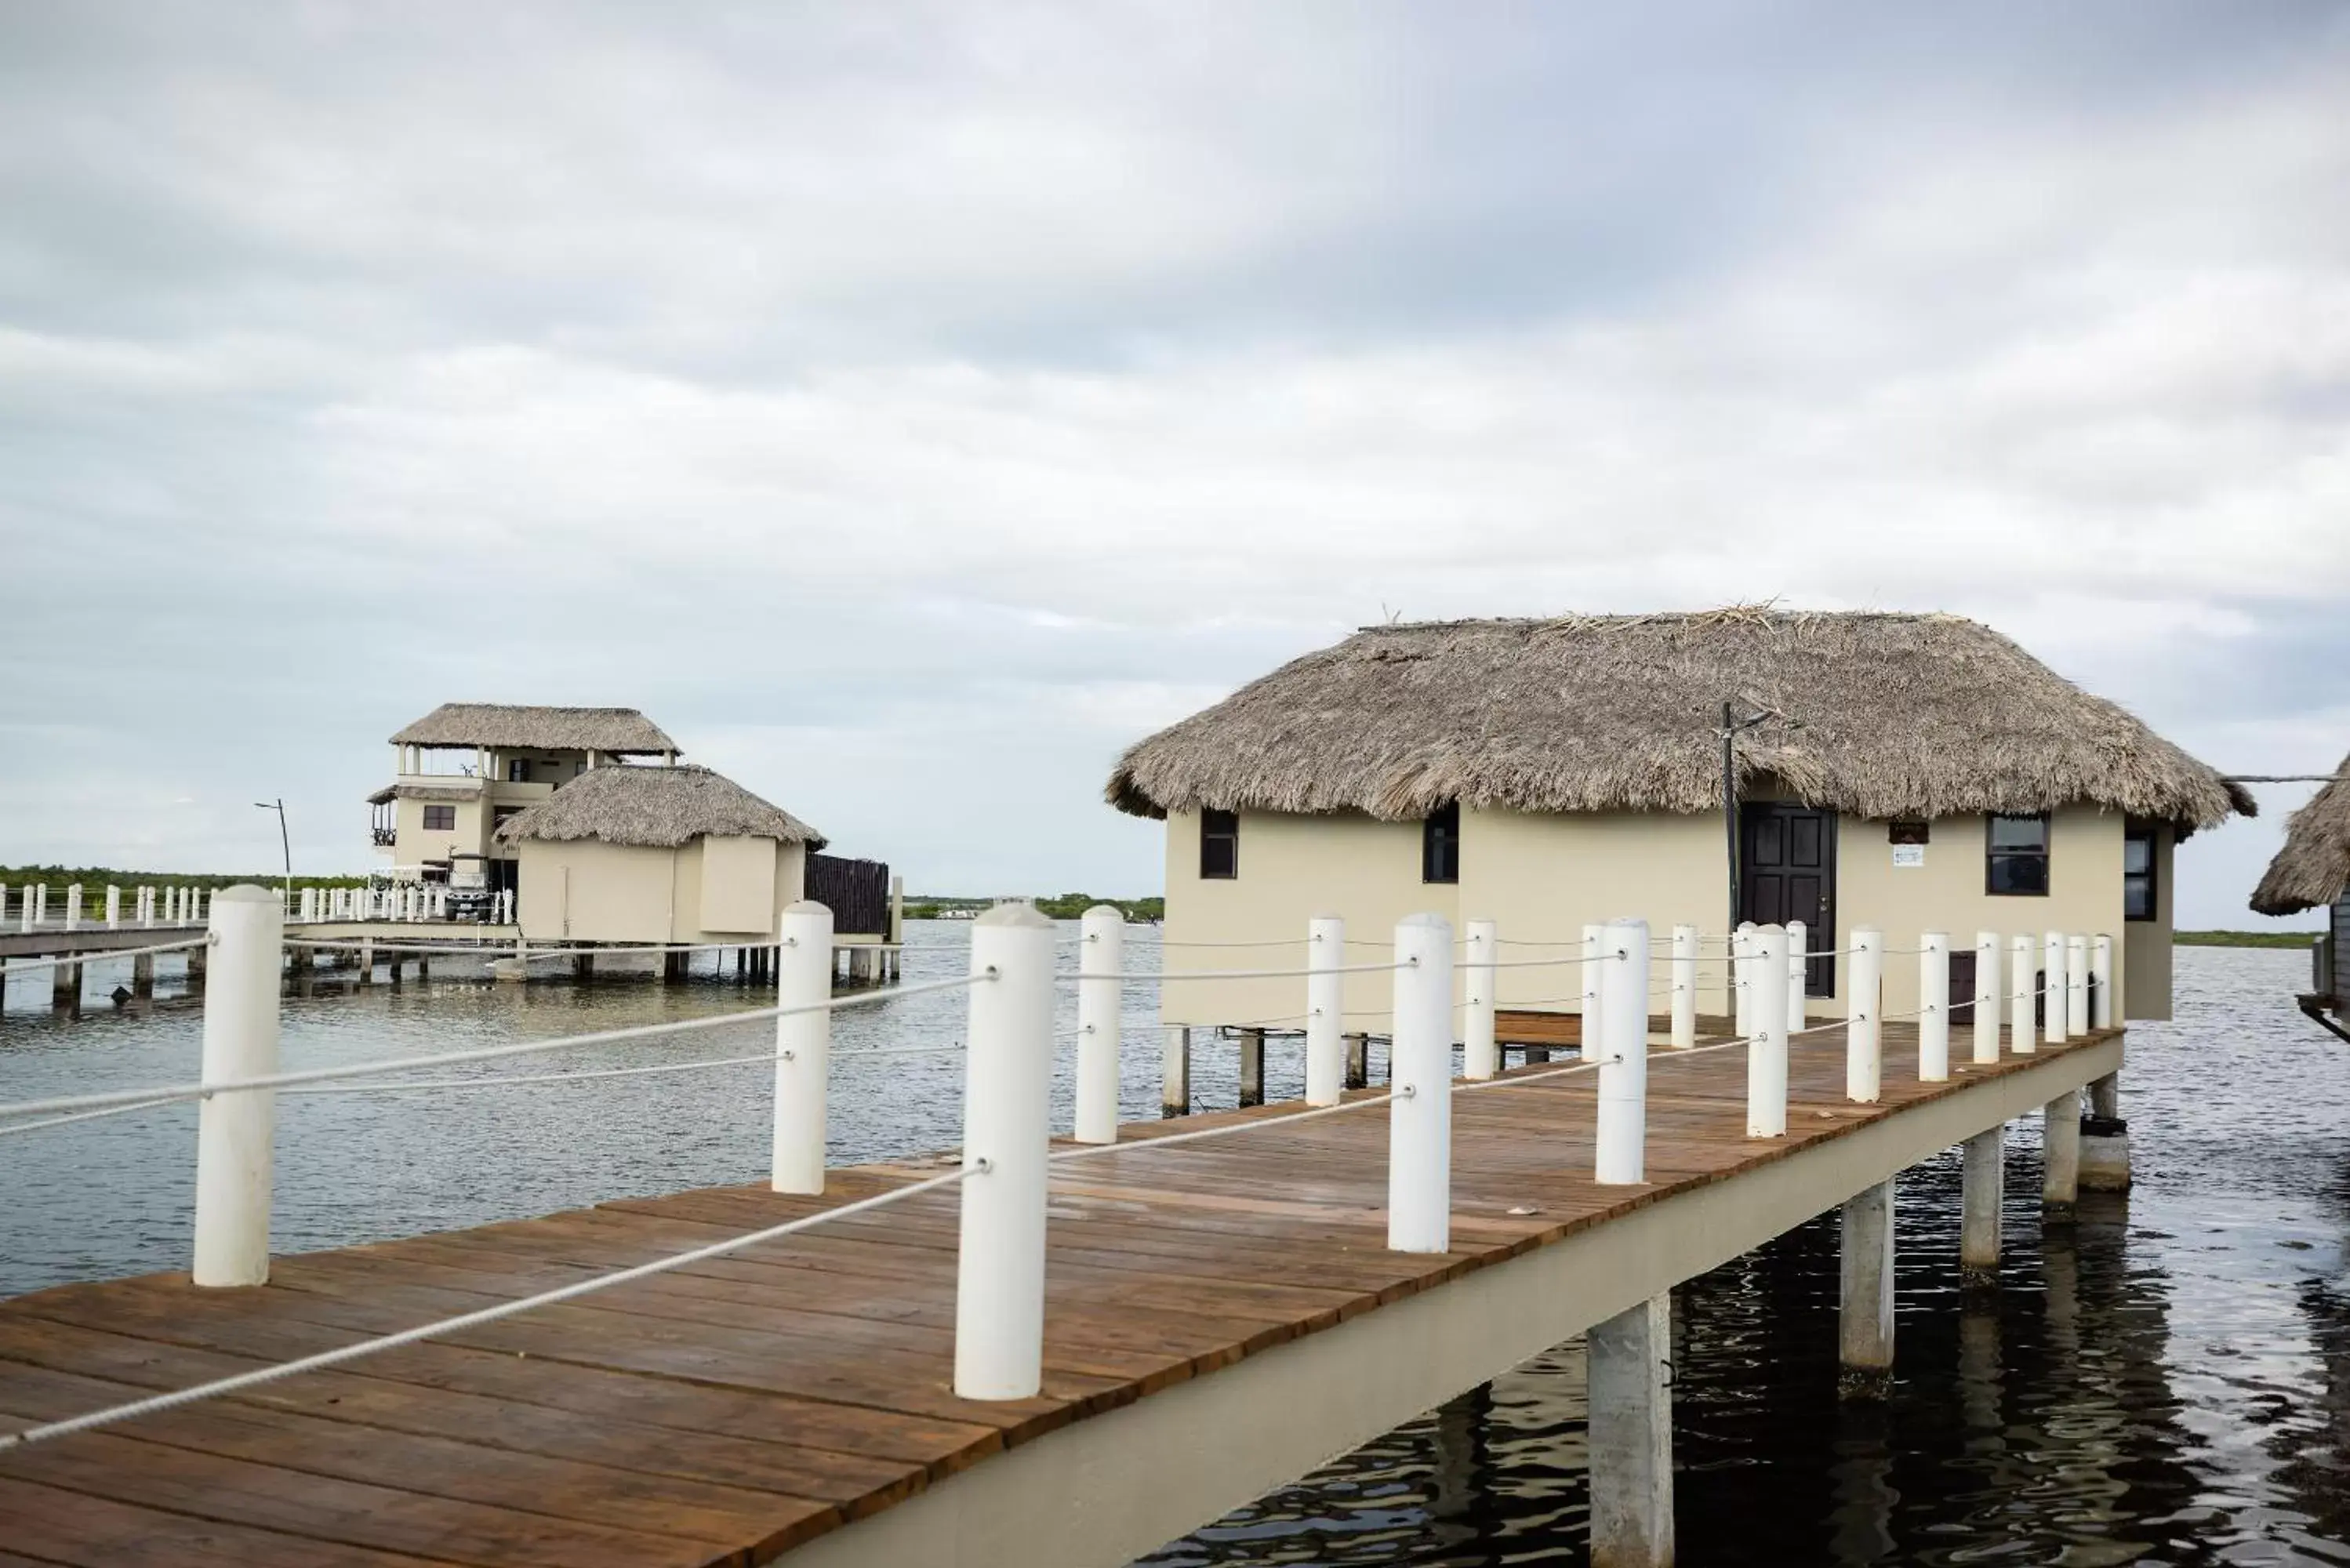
(284, 841)
(1728, 733)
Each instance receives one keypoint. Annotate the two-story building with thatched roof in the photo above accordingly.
(2313, 872)
(1907, 772)
(656, 854)
(465, 767)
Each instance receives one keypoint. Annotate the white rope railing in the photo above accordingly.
(157, 1404)
(502, 1080)
(97, 955)
(1254, 1124)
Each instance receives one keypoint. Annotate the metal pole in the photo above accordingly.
(1730, 810)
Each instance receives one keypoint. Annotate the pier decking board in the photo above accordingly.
(732, 1409)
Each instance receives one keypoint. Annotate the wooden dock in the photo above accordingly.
(744, 1406)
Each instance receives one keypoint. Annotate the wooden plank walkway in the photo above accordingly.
(729, 1411)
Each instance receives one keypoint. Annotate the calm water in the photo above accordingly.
(2166, 1380)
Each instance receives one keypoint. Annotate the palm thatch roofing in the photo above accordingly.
(471, 789)
(659, 807)
(623, 731)
(2313, 867)
(1881, 715)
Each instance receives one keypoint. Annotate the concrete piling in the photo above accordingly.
(1629, 1362)
(1252, 1067)
(1981, 1187)
(1358, 1061)
(1175, 1071)
(1865, 1318)
(2060, 1184)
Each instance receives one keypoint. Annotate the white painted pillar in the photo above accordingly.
(196, 899)
(2060, 1137)
(113, 907)
(2052, 985)
(235, 1132)
(1175, 1071)
(803, 1047)
(1591, 1022)
(1864, 1032)
(1864, 1325)
(2076, 984)
(1419, 1119)
(24, 913)
(1325, 1003)
(1101, 959)
(1766, 1058)
(2021, 1029)
(1480, 1057)
(1982, 1181)
(1798, 982)
(1007, 1095)
(1628, 1378)
(1933, 1007)
(1742, 977)
(73, 907)
(1986, 997)
(1621, 1139)
(2101, 972)
(1684, 992)
(40, 903)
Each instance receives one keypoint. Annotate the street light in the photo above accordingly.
(286, 843)
(1728, 733)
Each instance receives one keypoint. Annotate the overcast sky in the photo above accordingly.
(908, 407)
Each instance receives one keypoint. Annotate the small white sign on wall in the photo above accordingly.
(1908, 857)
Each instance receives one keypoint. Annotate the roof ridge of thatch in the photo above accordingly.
(659, 808)
(1882, 713)
(623, 731)
(2312, 868)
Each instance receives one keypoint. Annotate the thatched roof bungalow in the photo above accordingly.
(2313, 872)
(639, 854)
(1905, 770)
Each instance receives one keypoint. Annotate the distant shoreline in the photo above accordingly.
(2244, 939)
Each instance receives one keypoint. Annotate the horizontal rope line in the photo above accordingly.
(20, 966)
(1139, 1145)
(259, 1375)
(497, 1081)
(1239, 973)
(485, 1054)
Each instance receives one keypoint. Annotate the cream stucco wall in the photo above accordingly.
(1542, 879)
(589, 891)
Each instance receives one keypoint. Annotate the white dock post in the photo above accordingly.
(1621, 1140)
(1933, 1007)
(1480, 1057)
(2076, 984)
(1865, 1318)
(1175, 1071)
(1420, 1066)
(2052, 987)
(113, 907)
(235, 1132)
(2020, 1026)
(2060, 1182)
(1684, 988)
(1742, 978)
(1798, 975)
(1766, 1058)
(803, 1046)
(25, 913)
(1101, 959)
(999, 1347)
(1986, 997)
(1591, 1022)
(195, 905)
(1864, 1042)
(1629, 1371)
(1982, 1182)
(2101, 975)
(73, 906)
(1326, 1002)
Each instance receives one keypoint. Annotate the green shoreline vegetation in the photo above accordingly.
(1059, 906)
(2243, 938)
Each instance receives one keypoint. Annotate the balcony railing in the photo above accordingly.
(383, 837)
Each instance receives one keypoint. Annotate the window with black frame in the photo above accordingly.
(2016, 856)
(1439, 845)
(439, 819)
(1219, 844)
(2140, 896)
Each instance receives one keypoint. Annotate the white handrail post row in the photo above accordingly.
(2101, 972)
(2052, 987)
(1480, 1057)
(40, 905)
(803, 1046)
(113, 907)
(73, 906)
(1591, 1019)
(1864, 1048)
(1620, 1151)
(1419, 1067)
(1766, 1054)
(1798, 975)
(1741, 980)
(1986, 998)
(2019, 995)
(1101, 959)
(1326, 1002)
(2076, 984)
(1684, 973)
(236, 1133)
(1934, 1007)
(998, 1350)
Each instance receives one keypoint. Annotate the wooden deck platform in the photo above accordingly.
(733, 1411)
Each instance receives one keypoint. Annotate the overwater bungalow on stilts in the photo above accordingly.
(2313, 872)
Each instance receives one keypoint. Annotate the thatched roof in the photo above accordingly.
(2313, 867)
(470, 789)
(1881, 715)
(623, 731)
(662, 807)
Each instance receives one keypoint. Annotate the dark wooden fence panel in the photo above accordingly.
(856, 891)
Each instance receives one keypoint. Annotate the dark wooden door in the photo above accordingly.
(1788, 872)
